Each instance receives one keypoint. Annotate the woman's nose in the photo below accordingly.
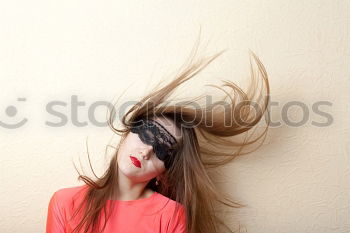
(146, 152)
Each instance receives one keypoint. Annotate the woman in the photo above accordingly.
(158, 180)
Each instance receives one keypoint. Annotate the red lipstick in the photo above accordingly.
(135, 161)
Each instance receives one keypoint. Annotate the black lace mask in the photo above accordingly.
(153, 133)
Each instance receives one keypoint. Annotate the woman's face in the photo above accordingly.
(137, 160)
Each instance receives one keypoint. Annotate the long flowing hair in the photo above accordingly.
(208, 141)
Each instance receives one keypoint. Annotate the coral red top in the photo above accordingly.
(148, 215)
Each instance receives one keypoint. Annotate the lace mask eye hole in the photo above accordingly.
(149, 136)
(146, 138)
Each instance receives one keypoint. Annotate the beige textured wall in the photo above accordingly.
(298, 181)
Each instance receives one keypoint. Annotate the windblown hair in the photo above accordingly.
(207, 142)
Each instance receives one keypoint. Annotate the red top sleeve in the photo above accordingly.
(55, 222)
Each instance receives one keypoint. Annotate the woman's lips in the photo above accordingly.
(135, 161)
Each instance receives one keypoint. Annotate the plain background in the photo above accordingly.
(298, 181)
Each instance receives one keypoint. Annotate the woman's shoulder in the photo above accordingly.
(170, 206)
(162, 198)
(70, 191)
(68, 194)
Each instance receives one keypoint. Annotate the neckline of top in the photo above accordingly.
(134, 201)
